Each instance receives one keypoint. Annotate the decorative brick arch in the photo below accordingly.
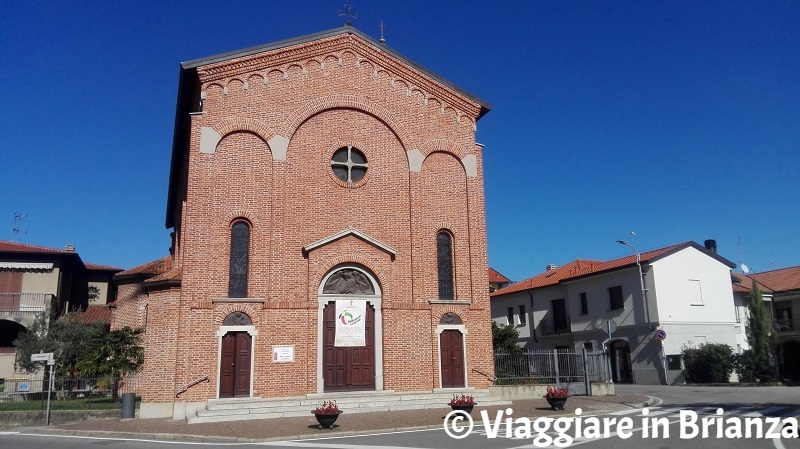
(444, 146)
(231, 216)
(469, 162)
(234, 124)
(222, 312)
(299, 116)
(380, 276)
(449, 310)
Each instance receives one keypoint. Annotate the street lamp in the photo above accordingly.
(646, 305)
(641, 277)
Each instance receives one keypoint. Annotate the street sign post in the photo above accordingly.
(51, 362)
(42, 357)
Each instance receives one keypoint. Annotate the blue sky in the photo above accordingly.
(679, 120)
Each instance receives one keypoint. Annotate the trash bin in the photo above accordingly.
(128, 405)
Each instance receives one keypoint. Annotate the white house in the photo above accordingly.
(684, 291)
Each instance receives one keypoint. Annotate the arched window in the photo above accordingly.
(444, 261)
(240, 260)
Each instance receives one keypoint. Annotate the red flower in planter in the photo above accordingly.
(464, 399)
(327, 408)
(555, 392)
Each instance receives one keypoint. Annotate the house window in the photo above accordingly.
(588, 346)
(523, 319)
(674, 362)
(738, 314)
(616, 300)
(560, 317)
(783, 319)
(240, 257)
(695, 293)
(444, 256)
(584, 304)
(349, 164)
(510, 316)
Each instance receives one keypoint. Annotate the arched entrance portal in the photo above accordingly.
(349, 365)
(452, 357)
(621, 370)
(236, 356)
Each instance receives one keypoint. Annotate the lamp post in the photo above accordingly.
(646, 305)
(641, 276)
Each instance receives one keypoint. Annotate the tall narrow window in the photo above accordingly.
(584, 304)
(523, 317)
(616, 300)
(444, 255)
(240, 256)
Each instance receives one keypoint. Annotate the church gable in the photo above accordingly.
(346, 46)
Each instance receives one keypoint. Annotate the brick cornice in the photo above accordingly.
(302, 55)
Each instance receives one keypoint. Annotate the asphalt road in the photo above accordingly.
(737, 403)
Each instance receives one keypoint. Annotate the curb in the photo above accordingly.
(100, 434)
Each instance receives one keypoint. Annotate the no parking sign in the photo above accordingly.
(661, 334)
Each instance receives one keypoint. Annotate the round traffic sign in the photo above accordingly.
(661, 334)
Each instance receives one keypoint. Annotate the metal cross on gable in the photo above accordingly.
(347, 11)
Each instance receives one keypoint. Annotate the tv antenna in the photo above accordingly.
(745, 268)
(347, 11)
(17, 229)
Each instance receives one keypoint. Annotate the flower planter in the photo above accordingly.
(326, 420)
(557, 403)
(463, 408)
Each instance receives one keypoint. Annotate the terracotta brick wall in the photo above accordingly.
(346, 96)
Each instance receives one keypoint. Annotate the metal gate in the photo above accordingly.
(570, 369)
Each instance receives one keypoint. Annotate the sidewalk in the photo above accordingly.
(306, 427)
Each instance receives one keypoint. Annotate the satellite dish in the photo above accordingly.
(745, 269)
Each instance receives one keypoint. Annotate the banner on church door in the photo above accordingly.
(350, 318)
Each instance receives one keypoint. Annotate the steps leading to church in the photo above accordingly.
(238, 409)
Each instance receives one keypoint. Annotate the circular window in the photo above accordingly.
(349, 164)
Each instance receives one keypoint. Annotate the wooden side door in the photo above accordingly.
(348, 368)
(452, 350)
(234, 375)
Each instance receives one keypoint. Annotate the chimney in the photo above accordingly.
(70, 248)
(711, 245)
(550, 267)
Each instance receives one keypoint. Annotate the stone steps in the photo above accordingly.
(238, 409)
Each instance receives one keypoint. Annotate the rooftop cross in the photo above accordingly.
(347, 11)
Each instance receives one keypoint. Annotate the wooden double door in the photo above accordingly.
(235, 365)
(451, 344)
(347, 368)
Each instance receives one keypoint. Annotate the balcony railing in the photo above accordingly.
(24, 303)
(549, 326)
(782, 326)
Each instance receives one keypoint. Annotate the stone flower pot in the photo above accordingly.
(557, 403)
(326, 420)
(463, 408)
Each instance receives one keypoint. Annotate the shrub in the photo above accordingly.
(754, 368)
(709, 363)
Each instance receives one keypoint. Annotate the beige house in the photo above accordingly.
(36, 280)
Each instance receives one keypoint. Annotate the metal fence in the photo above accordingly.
(531, 367)
(24, 392)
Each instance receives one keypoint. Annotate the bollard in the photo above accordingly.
(128, 405)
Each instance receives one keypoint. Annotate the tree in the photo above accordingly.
(760, 324)
(755, 364)
(66, 338)
(504, 339)
(113, 354)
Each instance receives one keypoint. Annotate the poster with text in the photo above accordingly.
(350, 318)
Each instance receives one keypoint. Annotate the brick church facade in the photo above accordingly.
(308, 173)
